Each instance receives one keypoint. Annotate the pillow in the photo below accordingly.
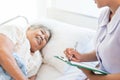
(65, 36)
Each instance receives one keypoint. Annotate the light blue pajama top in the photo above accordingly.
(108, 42)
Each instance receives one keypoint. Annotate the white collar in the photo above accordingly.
(114, 21)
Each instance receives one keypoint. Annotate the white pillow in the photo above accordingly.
(64, 36)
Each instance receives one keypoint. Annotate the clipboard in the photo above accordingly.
(82, 65)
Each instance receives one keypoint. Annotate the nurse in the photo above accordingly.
(107, 50)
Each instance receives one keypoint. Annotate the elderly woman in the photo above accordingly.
(17, 47)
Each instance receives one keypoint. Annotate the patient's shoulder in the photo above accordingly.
(4, 39)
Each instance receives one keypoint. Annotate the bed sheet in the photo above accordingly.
(48, 72)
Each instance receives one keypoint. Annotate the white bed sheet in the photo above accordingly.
(48, 72)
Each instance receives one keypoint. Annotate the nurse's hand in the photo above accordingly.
(73, 55)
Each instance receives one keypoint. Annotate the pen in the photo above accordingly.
(75, 50)
(75, 45)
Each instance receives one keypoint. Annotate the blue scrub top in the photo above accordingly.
(108, 42)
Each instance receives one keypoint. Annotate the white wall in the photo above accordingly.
(12, 8)
(86, 7)
(37, 9)
(66, 13)
(42, 8)
(73, 18)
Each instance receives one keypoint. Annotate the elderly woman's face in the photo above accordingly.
(38, 39)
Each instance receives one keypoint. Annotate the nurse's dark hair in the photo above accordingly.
(40, 26)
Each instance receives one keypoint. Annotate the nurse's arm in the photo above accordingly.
(7, 61)
(92, 76)
(88, 57)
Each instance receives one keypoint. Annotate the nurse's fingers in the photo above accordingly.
(69, 50)
(69, 53)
